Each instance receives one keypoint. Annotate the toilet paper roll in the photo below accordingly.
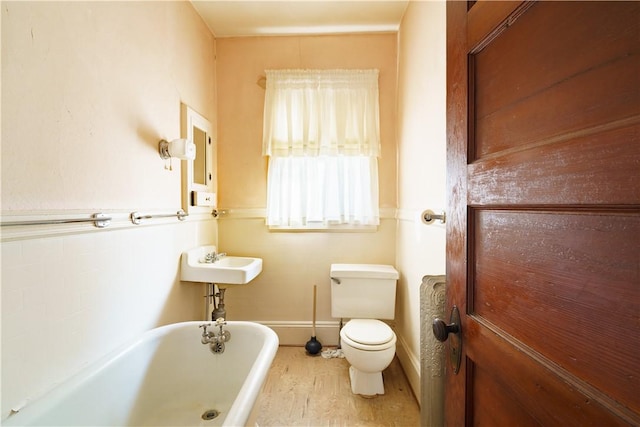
(428, 217)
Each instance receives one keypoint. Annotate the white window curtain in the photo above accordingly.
(322, 191)
(321, 133)
(313, 112)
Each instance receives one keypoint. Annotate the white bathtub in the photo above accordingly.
(166, 378)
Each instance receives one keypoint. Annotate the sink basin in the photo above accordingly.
(230, 270)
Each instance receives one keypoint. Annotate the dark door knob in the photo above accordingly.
(441, 330)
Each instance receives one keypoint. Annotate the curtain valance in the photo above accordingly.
(321, 112)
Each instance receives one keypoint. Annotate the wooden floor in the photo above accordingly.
(303, 390)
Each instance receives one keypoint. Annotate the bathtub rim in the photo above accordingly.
(252, 386)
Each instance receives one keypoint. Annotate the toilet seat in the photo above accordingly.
(368, 334)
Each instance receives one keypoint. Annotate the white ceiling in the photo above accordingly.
(235, 18)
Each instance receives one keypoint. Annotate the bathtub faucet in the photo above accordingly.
(215, 340)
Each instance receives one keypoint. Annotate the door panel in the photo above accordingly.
(514, 106)
(543, 227)
(495, 405)
(531, 267)
(533, 386)
(552, 111)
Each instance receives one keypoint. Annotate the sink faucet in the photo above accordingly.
(212, 257)
(215, 340)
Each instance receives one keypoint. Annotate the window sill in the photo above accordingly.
(325, 228)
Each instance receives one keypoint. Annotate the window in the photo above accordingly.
(321, 133)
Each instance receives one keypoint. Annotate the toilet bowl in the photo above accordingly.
(369, 346)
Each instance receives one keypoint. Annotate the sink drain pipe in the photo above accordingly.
(219, 310)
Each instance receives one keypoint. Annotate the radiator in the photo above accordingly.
(432, 362)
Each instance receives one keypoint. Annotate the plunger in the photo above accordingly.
(313, 346)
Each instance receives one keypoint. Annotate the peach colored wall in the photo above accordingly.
(88, 89)
(293, 262)
(241, 61)
(103, 88)
(421, 165)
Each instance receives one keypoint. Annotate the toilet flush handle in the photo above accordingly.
(336, 280)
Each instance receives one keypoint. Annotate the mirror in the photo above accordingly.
(198, 191)
(200, 162)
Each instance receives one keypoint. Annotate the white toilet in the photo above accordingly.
(365, 293)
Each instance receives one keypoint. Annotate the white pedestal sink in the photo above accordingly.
(227, 270)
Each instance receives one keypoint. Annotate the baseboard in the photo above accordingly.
(297, 333)
(410, 364)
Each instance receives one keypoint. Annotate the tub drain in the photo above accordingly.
(210, 414)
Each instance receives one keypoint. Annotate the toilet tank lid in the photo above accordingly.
(364, 271)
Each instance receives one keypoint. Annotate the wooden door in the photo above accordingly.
(543, 222)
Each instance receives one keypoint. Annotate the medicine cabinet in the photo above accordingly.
(198, 175)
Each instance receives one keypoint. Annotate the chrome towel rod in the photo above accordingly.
(99, 220)
(137, 217)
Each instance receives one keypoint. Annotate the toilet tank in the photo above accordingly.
(363, 291)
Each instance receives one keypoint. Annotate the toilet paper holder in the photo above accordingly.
(429, 216)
